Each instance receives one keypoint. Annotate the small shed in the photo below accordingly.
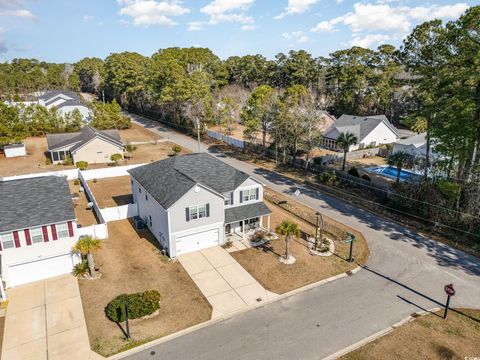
(14, 150)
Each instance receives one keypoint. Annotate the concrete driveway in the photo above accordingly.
(228, 287)
(45, 320)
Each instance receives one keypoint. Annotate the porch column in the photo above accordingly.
(268, 222)
(243, 230)
(2, 290)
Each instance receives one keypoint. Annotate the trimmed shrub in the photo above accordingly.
(327, 177)
(68, 161)
(177, 149)
(139, 305)
(48, 161)
(353, 171)
(80, 269)
(82, 165)
(76, 182)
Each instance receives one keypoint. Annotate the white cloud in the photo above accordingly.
(150, 12)
(195, 26)
(296, 36)
(87, 18)
(228, 11)
(247, 27)
(369, 40)
(296, 7)
(375, 23)
(20, 13)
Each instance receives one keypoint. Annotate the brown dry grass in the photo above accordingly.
(147, 153)
(129, 263)
(263, 264)
(85, 216)
(428, 337)
(110, 192)
(138, 133)
(34, 162)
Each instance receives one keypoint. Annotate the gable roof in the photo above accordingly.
(168, 180)
(361, 126)
(35, 201)
(69, 103)
(77, 139)
(50, 94)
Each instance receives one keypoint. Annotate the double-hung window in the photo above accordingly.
(229, 198)
(37, 235)
(250, 195)
(197, 212)
(62, 231)
(7, 240)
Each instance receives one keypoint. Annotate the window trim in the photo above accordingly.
(2, 240)
(193, 212)
(32, 235)
(57, 229)
(253, 194)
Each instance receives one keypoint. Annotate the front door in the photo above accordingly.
(228, 229)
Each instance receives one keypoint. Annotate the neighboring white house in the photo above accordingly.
(370, 131)
(37, 229)
(415, 145)
(196, 201)
(89, 144)
(14, 150)
(65, 102)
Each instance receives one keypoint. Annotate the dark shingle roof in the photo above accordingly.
(34, 202)
(361, 126)
(168, 180)
(244, 212)
(47, 95)
(69, 103)
(78, 139)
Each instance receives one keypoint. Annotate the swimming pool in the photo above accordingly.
(391, 172)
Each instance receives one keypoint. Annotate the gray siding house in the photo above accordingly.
(196, 201)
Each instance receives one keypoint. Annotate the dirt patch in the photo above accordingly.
(85, 216)
(138, 133)
(110, 192)
(147, 153)
(2, 329)
(34, 162)
(428, 337)
(129, 263)
(263, 264)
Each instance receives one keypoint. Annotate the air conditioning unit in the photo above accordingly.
(139, 223)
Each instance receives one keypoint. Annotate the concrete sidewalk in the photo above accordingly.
(225, 283)
(45, 320)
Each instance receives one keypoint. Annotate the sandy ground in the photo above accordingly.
(110, 192)
(138, 133)
(34, 162)
(263, 264)
(428, 337)
(85, 216)
(130, 263)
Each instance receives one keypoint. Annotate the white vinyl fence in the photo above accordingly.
(69, 174)
(226, 139)
(90, 195)
(119, 212)
(99, 231)
(111, 171)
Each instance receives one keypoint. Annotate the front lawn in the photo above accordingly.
(130, 262)
(262, 262)
(428, 337)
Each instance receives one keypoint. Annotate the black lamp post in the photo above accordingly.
(126, 320)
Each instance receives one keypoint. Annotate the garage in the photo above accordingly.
(40, 269)
(197, 241)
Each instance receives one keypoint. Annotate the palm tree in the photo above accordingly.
(398, 159)
(85, 246)
(345, 140)
(287, 228)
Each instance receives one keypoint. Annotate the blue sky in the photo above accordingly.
(68, 30)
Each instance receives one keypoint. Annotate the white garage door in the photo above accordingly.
(40, 269)
(197, 241)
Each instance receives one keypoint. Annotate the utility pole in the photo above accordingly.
(198, 134)
(103, 96)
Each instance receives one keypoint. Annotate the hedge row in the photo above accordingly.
(139, 305)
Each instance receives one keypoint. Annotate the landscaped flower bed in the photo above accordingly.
(140, 305)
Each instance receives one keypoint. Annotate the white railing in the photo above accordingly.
(119, 212)
(69, 174)
(99, 231)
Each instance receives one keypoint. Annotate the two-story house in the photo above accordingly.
(37, 229)
(195, 201)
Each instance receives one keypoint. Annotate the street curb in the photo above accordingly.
(378, 334)
(221, 318)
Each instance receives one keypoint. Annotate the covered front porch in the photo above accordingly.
(242, 222)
